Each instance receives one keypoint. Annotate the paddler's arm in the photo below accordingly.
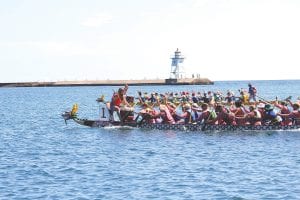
(276, 104)
(246, 109)
(125, 88)
(212, 121)
(165, 100)
(241, 117)
(140, 97)
(125, 101)
(290, 102)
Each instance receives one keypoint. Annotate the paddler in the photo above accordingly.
(254, 116)
(147, 114)
(295, 114)
(284, 109)
(239, 112)
(186, 116)
(206, 115)
(164, 115)
(224, 116)
(270, 117)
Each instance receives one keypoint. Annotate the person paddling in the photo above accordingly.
(254, 116)
(164, 115)
(239, 112)
(294, 115)
(186, 116)
(270, 117)
(206, 115)
(284, 109)
(224, 116)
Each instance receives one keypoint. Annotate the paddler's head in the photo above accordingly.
(296, 106)
(219, 108)
(204, 106)
(187, 106)
(238, 103)
(268, 107)
(284, 103)
(120, 91)
(251, 108)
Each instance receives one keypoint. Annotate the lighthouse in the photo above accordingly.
(177, 70)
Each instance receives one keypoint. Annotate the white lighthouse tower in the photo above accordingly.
(177, 71)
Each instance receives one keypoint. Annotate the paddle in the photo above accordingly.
(286, 99)
(205, 121)
(266, 101)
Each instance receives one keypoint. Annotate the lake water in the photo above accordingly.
(42, 158)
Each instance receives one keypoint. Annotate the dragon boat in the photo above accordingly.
(137, 122)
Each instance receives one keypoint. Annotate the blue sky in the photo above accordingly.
(55, 40)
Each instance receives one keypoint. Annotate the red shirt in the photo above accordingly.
(116, 100)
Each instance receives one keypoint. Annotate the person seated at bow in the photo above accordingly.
(270, 117)
(120, 104)
(294, 115)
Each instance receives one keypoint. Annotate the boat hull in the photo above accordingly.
(185, 127)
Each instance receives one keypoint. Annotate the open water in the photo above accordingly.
(42, 158)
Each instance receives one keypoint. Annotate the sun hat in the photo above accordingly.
(296, 105)
(195, 105)
(204, 105)
(268, 107)
(187, 106)
(251, 107)
(261, 105)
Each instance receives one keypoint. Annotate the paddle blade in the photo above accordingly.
(288, 98)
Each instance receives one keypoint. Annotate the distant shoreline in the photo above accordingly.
(183, 81)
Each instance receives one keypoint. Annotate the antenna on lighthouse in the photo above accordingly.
(176, 66)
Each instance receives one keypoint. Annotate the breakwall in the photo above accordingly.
(184, 81)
